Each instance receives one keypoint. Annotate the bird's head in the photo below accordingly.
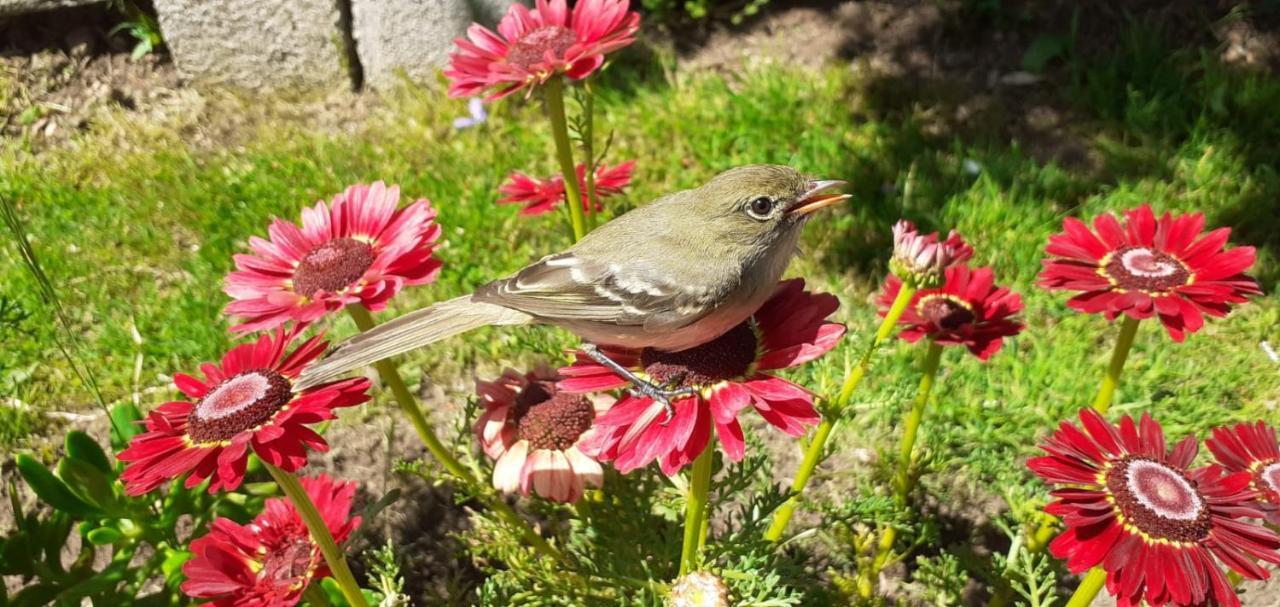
(762, 204)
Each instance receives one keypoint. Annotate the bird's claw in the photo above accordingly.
(662, 396)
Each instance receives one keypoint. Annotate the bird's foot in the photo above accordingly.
(660, 395)
(640, 387)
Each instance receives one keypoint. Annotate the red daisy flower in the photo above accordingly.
(269, 562)
(533, 431)
(542, 195)
(246, 402)
(1149, 267)
(533, 46)
(921, 257)
(728, 373)
(1154, 525)
(1252, 448)
(360, 249)
(967, 310)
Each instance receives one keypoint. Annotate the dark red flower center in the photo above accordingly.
(531, 50)
(240, 403)
(1144, 269)
(289, 565)
(549, 419)
(1159, 500)
(945, 311)
(726, 357)
(333, 266)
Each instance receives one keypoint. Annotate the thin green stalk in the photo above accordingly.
(1088, 588)
(588, 150)
(903, 481)
(813, 453)
(554, 91)
(391, 377)
(315, 596)
(1101, 403)
(696, 509)
(319, 534)
(1107, 389)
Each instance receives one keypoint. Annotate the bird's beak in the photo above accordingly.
(815, 199)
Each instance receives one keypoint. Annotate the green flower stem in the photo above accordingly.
(1088, 588)
(319, 534)
(813, 453)
(391, 377)
(696, 509)
(1101, 403)
(588, 150)
(554, 91)
(903, 482)
(314, 595)
(409, 405)
(1107, 389)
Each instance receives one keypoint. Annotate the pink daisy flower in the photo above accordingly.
(968, 309)
(533, 46)
(922, 257)
(272, 560)
(728, 374)
(533, 430)
(359, 249)
(542, 195)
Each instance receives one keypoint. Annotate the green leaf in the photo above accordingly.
(373, 509)
(37, 595)
(90, 484)
(103, 536)
(1043, 50)
(125, 420)
(173, 562)
(82, 447)
(50, 490)
(16, 557)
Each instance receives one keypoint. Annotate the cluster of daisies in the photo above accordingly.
(1162, 530)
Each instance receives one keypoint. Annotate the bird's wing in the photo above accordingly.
(570, 287)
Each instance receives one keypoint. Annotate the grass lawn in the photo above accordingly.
(136, 243)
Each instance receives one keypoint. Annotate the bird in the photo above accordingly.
(670, 275)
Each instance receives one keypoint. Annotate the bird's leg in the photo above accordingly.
(640, 387)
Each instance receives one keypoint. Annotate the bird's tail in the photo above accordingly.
(413, 330)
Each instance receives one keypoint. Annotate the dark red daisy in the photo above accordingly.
(728, 374)
(1252, 448)
(967, 310)
(247, 402)
(361, 249)
(533, 46)
(270, 561)
(1141, 514)
(1149, 267)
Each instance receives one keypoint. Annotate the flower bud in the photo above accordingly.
(699, 589)
(920, 259)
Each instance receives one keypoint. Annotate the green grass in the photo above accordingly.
(141, 239)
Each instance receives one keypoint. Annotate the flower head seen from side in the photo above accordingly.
(270, 561)
(542, 195)
(533, 46)
(968, 309)
(727, 374)
(533, 430)
(1149, 266)
(1160, 530)
(247, 402)
(360, 249)
(922, 258)
(1252, 448)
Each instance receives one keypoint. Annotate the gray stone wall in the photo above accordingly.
(398, 38)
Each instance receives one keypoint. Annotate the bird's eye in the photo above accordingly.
(760, 208)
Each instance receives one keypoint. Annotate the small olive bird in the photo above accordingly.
(670, 275)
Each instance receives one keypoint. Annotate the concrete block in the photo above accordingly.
(10, 8)
(256, 44)
(409, 36)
